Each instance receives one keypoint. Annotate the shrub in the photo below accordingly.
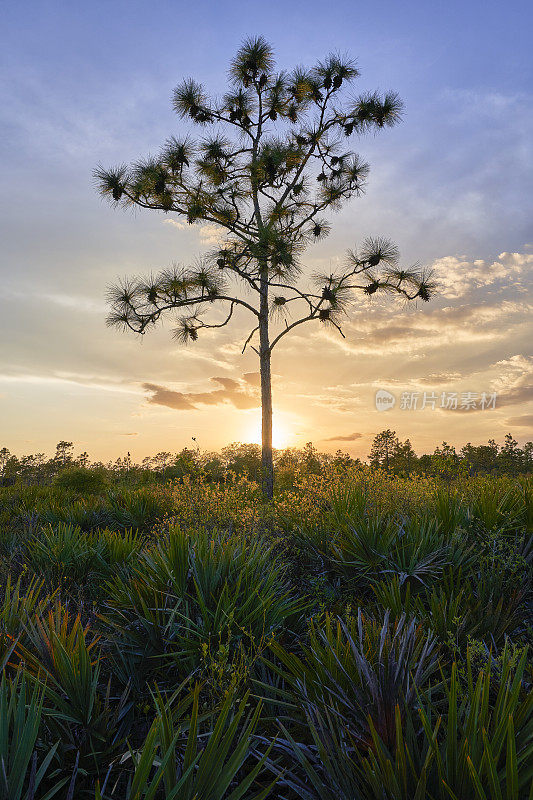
(479, 745)
(359, 669)
(199, 600)
(82, 480)
(20, 719)
(81, 715)
(108, 606)
(369, 546)
(207, 768)
(455, 609)
(88, 513)
(139, 509)
(65, 556)
(117, 551)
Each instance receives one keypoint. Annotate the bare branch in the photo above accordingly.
(249, 339)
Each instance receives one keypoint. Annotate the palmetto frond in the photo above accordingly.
(360, 668)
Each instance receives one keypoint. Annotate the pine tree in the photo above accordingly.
(384, 449)
(405, 458)
(510, 456)
(271, 160)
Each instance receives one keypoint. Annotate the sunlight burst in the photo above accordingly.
(282, 434)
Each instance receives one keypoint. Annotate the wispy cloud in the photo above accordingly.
(238, 393)
(75, 302)
(438, 379)
(348, 437)
(66, 379)
(522, 421)
(209, 235)
(434, 328)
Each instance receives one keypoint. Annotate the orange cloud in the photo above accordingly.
(523, 421)
(349, 437)
(238, 393)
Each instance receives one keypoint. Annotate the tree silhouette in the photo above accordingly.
(384, 449)
(271, 160)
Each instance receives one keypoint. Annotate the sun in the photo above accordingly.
(282, 435)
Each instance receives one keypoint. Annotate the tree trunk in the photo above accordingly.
(266, 397)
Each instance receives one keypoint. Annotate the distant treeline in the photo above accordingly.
(387, 453)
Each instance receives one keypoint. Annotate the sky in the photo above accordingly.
(89, 83)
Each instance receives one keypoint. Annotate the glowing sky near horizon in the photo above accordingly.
(87, 83)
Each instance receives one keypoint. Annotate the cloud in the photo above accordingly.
(514, 384)
(77, 303)
(523, 421)
(349, 437)
(209, 234)
(176, 223)
(457, 276)
(476, 191)
(513, 397)
(439, 378)
(420, 329)
(478, 303)
(253, 378)
(237, 393)
(69, 379)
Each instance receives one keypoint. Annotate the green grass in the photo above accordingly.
(363, 637)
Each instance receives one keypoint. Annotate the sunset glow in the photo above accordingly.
(266, 399)
(282, 434)
(449, 185)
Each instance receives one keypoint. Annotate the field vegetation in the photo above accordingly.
(167, 633)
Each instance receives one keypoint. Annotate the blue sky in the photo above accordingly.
(83, 83)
